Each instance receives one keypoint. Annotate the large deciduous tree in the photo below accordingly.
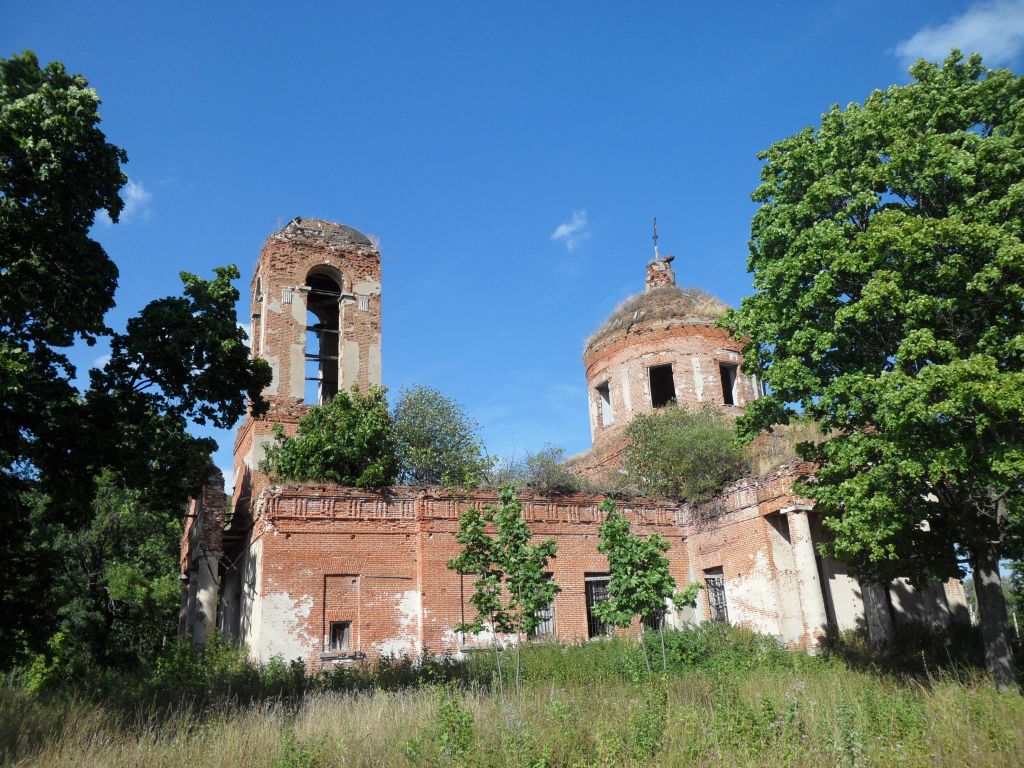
(888, 258)
(181, 360)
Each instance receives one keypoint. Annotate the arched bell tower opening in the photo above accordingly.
(323, 335)
(316, 321)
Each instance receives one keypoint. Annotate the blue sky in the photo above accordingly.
(509, 157)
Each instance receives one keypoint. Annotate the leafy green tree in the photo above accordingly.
(889, 265)
(181, 360)
(118, 588)
(479, 559)
(436, 440)
(682, 454)
(349, 441)
(639, 579)
(512, 586)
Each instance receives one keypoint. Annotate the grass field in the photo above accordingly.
(744, 705)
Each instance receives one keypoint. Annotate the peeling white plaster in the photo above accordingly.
(366, 287)
(407, 643)
(283, 627)
(698, 380)
(273, 388)
(751, 598)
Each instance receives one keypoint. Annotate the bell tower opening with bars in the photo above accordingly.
(316, 320)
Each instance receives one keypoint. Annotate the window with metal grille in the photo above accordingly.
(715, 582)
(546, 616)
(596, 588)
(653, 621)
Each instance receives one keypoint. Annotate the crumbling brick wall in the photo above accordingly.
(379, 560)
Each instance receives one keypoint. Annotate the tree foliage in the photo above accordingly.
(182, 359)
(349, 441)
(889, 265)
(511, 585)
(681, 454)
(436, 440)
(544, 472)
(639, 580)
(117, 587)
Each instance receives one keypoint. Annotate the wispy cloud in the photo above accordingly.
(136, 203)
(572, 232)
(101, 361)
(995, 29)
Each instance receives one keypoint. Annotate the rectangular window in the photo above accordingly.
(714, 579)
(605, 402)
(341, 636)
(663, 387)
(596, 592)
(727, 372)
(546, 616)
(653, 621)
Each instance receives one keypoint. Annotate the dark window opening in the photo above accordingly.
(605, 403)
(322, 339)
(341, 636)
(596, 588)
(714, 579)
(727, 373)
(663, 388)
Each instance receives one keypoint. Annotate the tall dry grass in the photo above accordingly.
(812, 715)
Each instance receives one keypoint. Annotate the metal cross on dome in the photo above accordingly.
(656, 237)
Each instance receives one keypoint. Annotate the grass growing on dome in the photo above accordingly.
(666, 302)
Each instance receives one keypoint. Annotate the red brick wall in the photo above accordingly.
(279, 326)
(379, 560)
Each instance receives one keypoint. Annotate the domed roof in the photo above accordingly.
(661, 303)
(328, 231)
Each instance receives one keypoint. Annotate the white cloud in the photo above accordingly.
(136, 202)
(101, 361)
(572, 232)
(995, 29)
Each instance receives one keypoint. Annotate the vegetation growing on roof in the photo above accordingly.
(667, 302)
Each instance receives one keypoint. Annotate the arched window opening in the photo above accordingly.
(322, 338)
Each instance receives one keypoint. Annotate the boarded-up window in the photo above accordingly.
(604, 399)
(663, 388)
(714, 579)
(727, 372)
(596, 592)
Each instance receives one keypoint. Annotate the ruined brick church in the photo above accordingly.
(330, 575)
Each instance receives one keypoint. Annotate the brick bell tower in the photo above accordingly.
(316, 319)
